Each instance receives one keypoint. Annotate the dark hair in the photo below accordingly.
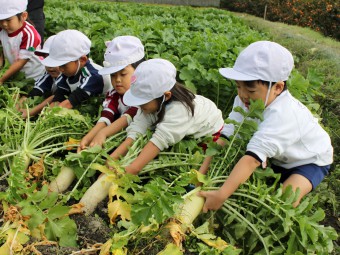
(134, 65)
(178, 93)
(251, 84)
(19, 15)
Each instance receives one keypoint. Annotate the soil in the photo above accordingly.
(94, 230)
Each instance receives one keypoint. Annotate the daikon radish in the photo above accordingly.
(63, 180)
(98, 191)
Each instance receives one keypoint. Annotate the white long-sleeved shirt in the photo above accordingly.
(178, 122)
(289, 134)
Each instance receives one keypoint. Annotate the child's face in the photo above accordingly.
(257, 91)
(150, 107)
(12, 24)
(70, 69)
(53, 71)
(121, 80)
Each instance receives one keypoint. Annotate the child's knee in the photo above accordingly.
(297, 181)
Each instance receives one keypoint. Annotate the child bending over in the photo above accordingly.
(167, 108)
(80, 78)
(299, 148)
(122, 56)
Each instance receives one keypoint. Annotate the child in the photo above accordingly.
(46, 85)
(122, 56)
(19, 40)
(80, 78)
(300, 149)
(167, 107)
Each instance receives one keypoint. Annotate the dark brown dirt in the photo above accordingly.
(92, 231)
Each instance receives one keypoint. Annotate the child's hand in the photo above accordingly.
(213, 200)
(99, 139)
(83, 144)
(24, 113)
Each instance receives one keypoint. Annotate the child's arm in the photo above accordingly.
(122, 149)
(36, 109)
(148, 153)
(107, 131)
(205, 165)
(13, 69)
(88, 138)
(66, 104)
(241, 172)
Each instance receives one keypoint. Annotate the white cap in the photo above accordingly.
(47, 46)
(262, 60)
(68, 45)
(150, 80)
(121, 52)
(9, 8)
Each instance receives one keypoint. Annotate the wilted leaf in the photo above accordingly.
(119, 208)
(171, 249)
(72, 143)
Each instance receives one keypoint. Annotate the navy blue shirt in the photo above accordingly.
(88, 82)
(44, 86)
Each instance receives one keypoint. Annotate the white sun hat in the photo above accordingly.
(151, 80)
(262, 60)
(9, 8)
(121, 52)
(46, 48)
(68, 45)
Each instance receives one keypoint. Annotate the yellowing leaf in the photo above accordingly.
(171, 249)
(120, 251)
(4, 249)
(76, 209)
(154, 226)
(218, 243)
(176, 232)
(105, 249)
(113, 190)
(14, 242)
(119, 208)
(71, 143)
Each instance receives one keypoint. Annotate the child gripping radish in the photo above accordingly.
(166, 107)
(123, 54)
(299, 148)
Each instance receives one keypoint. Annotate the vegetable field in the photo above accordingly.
(154, 212)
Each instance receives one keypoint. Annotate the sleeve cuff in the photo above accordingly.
(106, 120)
(252, 154)
(128, 118)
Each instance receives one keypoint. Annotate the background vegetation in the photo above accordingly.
(319, 15)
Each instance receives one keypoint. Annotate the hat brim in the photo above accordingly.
(131, 100)
(7, 15)
(232, 74)
(41, 52)
(50, 62)
(111, 69)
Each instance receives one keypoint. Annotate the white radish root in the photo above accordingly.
(191, 208)
(63, 180)
(98, 191)
(188, 212)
